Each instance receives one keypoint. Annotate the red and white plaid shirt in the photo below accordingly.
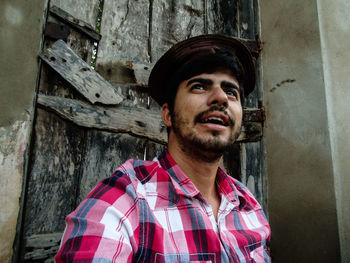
(149, 211)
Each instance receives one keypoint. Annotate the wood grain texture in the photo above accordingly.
(246, 20)
(80, 9)
(42, 247)
(125, 31)
(54, 174)
(173, 21)
(137, 121)
(106, 151)
(75, 23)
(222, 17)
(124, 60)
(80, 75)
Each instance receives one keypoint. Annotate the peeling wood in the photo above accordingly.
(44, 246)
(75, 23)
(136, 121)
(43, 240)
(79, 74)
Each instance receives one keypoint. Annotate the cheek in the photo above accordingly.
(237, 112)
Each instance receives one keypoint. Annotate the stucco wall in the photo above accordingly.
(334, 22)
(20, 33)
(301, 196)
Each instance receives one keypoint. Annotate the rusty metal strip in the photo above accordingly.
(80, 75)
(254, 115)
(75, 23)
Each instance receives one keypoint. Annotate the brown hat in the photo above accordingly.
(193, 48)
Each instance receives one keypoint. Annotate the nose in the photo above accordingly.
(218, 97)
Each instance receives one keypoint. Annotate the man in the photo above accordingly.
(180, 207)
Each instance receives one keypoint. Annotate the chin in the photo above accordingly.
(213, 144)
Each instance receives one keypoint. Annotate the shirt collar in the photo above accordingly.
(184, 186)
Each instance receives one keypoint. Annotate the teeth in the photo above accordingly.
(215, 120)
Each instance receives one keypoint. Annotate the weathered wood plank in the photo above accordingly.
(137, 121)
(222, 17)
(141, 72)
(124, 28)
(80, 75)
(246, 19)
(54, 174)
(79, 25)
(136, 95)
(44, 240)
(252, 170)
(173, 21)
(41, 247)
(79, 9)
(107, 151)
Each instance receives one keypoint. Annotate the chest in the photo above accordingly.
(188, 232)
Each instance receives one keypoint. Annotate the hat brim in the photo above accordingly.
(196, 47)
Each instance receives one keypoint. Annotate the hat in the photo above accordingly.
(193, 48)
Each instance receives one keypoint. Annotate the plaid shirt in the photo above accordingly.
(149, 211)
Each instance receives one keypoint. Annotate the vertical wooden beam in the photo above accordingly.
(54, 170)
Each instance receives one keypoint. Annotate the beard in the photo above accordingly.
(207, 148)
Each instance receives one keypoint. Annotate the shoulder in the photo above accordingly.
(127, 179)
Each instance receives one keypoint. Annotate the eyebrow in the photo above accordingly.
(200, 80)
(224, 84)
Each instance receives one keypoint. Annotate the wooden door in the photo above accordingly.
(79, 140)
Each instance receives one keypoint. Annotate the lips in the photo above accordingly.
(215, 119)
(215, 115)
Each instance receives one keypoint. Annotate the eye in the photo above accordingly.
(231, 93)
(197, 87)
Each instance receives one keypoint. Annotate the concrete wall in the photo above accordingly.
(307, 127)
(20, 33)
(334, 22)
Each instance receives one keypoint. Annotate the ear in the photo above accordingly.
(166, 116)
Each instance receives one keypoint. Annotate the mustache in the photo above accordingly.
(222, 109)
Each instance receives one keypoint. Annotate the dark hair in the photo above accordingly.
(210, 63)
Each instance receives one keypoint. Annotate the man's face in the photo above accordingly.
(207, 113)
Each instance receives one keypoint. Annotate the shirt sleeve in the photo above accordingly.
(104, 227)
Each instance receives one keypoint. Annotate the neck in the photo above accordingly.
(200, 168)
